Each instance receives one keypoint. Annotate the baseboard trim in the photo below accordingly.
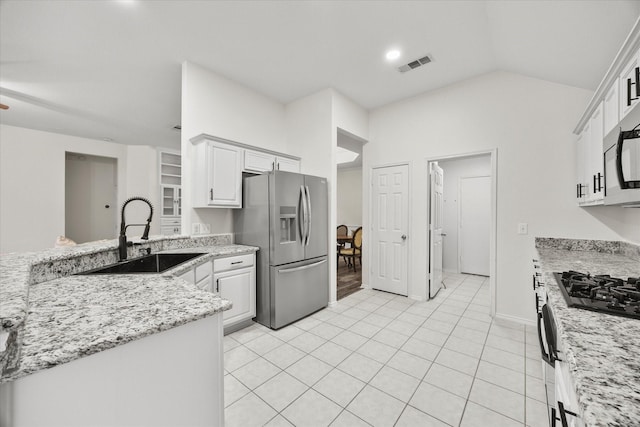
(333, 303)
(516, 319)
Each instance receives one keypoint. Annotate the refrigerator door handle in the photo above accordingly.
(308, 196)
(304, 267)
(302, 215)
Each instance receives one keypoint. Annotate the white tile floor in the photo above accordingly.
(384, 360)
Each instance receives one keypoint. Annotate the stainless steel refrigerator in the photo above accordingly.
(286, 215)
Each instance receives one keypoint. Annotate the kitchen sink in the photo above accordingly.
(156, 263)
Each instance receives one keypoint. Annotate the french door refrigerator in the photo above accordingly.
(286, 215)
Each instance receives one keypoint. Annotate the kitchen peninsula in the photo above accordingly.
(153, 341)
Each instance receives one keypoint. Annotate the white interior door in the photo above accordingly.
(474, 224)
(435, 228)
(390, 219)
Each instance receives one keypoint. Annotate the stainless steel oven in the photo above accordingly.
(622, 170)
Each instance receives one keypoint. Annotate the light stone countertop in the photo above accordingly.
(602, 350)
(70, 316)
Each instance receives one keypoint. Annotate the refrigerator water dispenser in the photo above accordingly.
(287, 224)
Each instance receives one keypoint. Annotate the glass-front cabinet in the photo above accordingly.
(170, 168)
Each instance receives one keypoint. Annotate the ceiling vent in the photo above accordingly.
(415, 64)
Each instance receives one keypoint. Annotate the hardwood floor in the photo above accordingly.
(348, 281)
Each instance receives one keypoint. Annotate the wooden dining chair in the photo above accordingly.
(342, 230)
(355, 251)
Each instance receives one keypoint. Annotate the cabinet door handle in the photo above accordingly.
(217, 285)
(211, 194)
(637, 82)
(236, 262)
(595, 190)
(273, 166)
(600, 181)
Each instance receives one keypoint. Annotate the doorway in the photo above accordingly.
(90, 197)
(348, 209)
(469, 215)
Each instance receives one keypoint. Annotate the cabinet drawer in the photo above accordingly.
(170, 221)
(231, 263)
(203, 270)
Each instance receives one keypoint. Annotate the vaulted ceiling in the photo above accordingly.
(112, 69)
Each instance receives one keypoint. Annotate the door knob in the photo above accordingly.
(404, 237)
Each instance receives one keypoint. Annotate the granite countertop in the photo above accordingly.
(601, 349)
(60, 320)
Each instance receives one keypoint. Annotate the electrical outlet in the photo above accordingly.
(523, 228)
(195, 228)
(205, 228)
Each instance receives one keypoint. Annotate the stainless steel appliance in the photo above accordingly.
(286, 215)
(622, 170)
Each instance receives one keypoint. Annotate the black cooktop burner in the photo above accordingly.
(601, 293)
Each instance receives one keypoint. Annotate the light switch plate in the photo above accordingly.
(523, 228)
(195, 228)
(205, 228)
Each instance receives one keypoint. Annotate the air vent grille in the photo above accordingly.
(415, 64)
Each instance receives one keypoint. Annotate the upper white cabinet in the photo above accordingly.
(617, 95)
(217, 175)
(630, 85)
(612, 107)
(287, 164)
(218, 165)
(258, 161)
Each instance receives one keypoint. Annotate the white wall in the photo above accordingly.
(454, 169)
(349, 200)
(220, 107)
(530, 122)
(142, 180)
(32, 184)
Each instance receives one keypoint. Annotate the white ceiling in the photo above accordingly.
(112, 69)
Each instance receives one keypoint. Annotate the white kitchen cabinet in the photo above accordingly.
(287, 165)
(171, 200)
(630, 85)
(594, 160)
(170, 226)
(235, 279)
(612, 107)
(170, 180)
(581, 156)
(589, 161)
(217, 175)
(258, 161)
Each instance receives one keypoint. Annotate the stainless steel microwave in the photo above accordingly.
(622, 170)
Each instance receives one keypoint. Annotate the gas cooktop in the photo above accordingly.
(601, 293)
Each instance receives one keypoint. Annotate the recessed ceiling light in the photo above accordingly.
(393, 55)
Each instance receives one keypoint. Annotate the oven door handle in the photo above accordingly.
(543, 353)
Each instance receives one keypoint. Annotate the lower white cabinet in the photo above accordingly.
(235, 279)
(170, 226)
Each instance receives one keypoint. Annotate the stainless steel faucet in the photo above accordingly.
(122, 242)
